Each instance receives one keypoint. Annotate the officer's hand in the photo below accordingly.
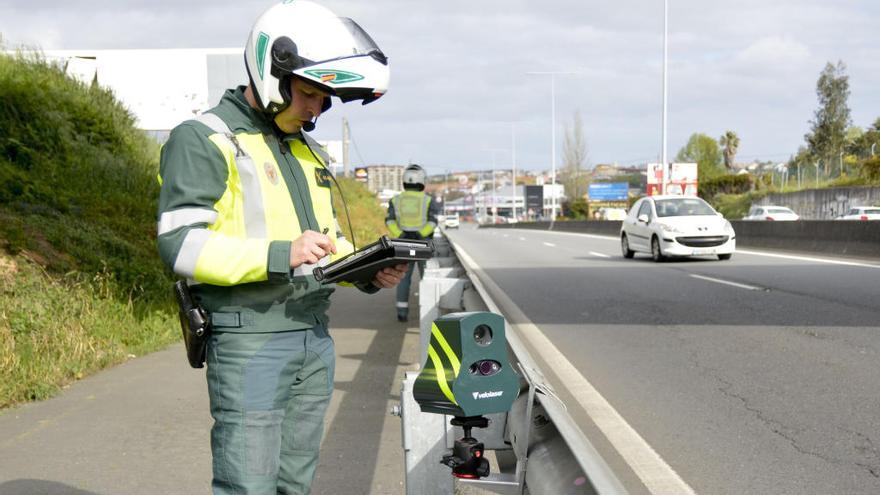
(389, 277)
(310, 247)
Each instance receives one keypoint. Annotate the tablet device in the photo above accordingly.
(362, 265)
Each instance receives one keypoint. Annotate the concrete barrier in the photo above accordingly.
(848, 238)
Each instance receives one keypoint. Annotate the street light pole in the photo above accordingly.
(553, 148)
(494, 204)
(665, 57)
(445, 192)
(552, 75)
(872, 148)
(841, 164)
(513, 160)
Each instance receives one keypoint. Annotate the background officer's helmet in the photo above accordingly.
(414, 177)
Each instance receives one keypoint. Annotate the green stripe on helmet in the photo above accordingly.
(262, 45)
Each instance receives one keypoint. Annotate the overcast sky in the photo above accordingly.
(458, 69)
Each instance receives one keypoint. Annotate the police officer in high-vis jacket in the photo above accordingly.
(412, 214)
(245, 215)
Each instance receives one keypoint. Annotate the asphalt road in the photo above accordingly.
(754, 375)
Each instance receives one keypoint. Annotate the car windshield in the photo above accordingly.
(682, 207)
(779, 210)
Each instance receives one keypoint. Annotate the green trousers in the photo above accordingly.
(403, 288)
(269, 393)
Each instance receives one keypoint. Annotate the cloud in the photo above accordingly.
(458, 67)
(772, 54)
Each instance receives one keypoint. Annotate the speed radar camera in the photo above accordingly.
(467, 374)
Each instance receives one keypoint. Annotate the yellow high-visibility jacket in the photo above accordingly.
(234, 196)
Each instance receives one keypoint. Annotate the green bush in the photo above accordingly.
(736, 206)
(77, 179)
(578, 209)
(870, 170)
(724, 184)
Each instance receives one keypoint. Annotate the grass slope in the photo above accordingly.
(81, 283)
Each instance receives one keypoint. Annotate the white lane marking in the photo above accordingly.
(522, 238)
(549, 244)
(505, 235)
(727, 282)
(652, 470)
(594, 253)
(805, 258)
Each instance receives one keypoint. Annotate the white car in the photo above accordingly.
(861, 213)
(773, 213)
(668, 226)
(451, 221)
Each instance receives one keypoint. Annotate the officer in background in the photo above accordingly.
(245, 215)
(412, 214)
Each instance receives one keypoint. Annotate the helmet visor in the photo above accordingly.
(339, 37)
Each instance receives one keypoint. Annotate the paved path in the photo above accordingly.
(143, 427)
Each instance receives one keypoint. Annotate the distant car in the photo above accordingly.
(612, 213)
(667, 226)
(773, 213)
(451, 221)
(861, 213)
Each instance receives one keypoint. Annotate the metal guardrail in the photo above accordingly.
(544, 454)
(601, 476)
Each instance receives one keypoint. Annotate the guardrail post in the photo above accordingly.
(424, 444)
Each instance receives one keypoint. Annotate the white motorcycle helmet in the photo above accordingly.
(414, 177)
(303, 39)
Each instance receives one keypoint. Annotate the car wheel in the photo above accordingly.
(656, 252)
(624, 247)
(724, 257)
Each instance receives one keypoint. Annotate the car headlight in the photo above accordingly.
(728, 227)
(670, 228)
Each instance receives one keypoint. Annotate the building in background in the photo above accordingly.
(165, 87)
(385, 177)
(161, 88)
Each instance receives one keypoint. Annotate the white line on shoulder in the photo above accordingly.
(652, 470)
(805, 258)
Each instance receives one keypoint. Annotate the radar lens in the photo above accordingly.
(486, 367)
(483, 335)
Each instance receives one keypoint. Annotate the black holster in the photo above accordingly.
(195, 323)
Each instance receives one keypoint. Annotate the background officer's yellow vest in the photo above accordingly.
(411, 210)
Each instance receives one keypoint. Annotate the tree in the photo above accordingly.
(704, 150)
(827, 136)
(730, 142)
(861, 146)
(574, 156)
